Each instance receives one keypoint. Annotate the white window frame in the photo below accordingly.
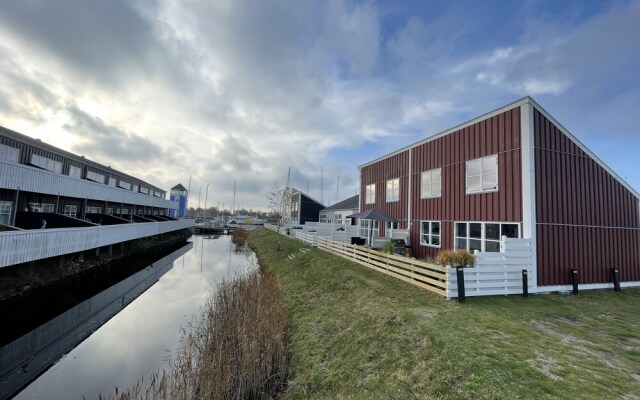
(124, 185)
(9, 153)
(94, 210)
(337, 219)
(427, 184)
(136, 187)
(392, 193)
(5, 212)
(112, 181)
(75, 172)
(482, 174)
(70, 210)
(144, 190)
(370, 194)
(483, 236)
(429, 236)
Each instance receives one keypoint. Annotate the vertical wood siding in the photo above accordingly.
(586, 219)
(499, 134)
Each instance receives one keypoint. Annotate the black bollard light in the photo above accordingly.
(525, 283)
(460, 278)
(615, 277)
(574, 279)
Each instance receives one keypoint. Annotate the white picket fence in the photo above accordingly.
(495, 273)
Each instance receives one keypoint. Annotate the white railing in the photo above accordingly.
(18, 247)
(309, 238)
(31, 179)
(495, 273)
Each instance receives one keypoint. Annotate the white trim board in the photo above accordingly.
(585, 286)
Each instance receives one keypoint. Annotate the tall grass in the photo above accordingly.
(239, 350)
(239, 237)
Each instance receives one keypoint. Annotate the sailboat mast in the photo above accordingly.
(233, 209)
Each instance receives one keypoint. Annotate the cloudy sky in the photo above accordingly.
(232, 90)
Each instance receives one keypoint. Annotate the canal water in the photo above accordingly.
(124, 333)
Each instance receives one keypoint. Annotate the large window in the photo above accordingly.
(46, 163)
(135, 188)
(483, 236)
(393, 190)
(370, 194)
(430, 233)
(5, 212)
(337, 218)
(75, 172)
(368, 229)
(124, 185)
(144, 190)
(482, 174)
(94, 210)
(389, 227)
(70, 210)
(9, 153)
(94, 176)
(112, 182)
(431, 183)
(41, 207)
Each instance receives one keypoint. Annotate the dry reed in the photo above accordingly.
(239, 350)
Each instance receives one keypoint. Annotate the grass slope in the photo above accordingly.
(357, 333)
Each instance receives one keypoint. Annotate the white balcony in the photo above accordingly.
(26, 178)
(18, 247)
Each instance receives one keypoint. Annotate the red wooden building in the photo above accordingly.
(517, 172)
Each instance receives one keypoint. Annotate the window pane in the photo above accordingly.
(490, 181)
(436, 189)
(491, 246)
(435, 240)
(473, 168)
(490, 165)
(492, 231)
(435, 228)
(510, 230)
(461, 229)
(461, 243)
(436, 175)
(475, 230)
(475, 245)
(426, 177)
(473, 184)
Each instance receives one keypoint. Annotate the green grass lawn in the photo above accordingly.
(357, 333)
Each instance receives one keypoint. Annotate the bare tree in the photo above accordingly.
(280, 202)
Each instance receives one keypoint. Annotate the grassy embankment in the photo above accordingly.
(356, 333)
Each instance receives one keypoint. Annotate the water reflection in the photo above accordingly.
(140, 338)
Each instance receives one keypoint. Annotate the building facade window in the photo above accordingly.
(41, 207)
(323, 218)
(124, 185)
(430, 233)
(112, 182)
(94, 210)
(108, 211)
(9, 153)
(483, 236)
(144, 190)
(482, 174)
(75, 172)
(46, 163)
(135, 187)
(70, 210)
(5, 212)
(393, 190)
(337, 218)
(369, 229)
(94, 176)
(370, 194)
(389, 227)
(431, 183)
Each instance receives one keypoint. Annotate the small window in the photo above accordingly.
(430, 233)
(70, 210)
(393, 190)
(370, 194)
(482, 174)
(94, 176)
(9, 153)
(430, 183)
(94, 210)
(5, 212)
(75, 172)
(108, 211)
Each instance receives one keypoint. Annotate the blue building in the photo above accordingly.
(179, 194)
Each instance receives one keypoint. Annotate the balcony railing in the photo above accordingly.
(18, 247)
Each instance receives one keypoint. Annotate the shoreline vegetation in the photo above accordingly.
(238, 347)
(356, 333)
